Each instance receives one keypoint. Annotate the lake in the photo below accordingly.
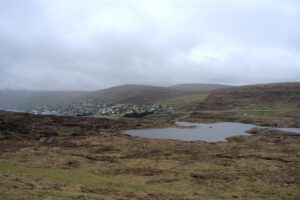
(213, 132)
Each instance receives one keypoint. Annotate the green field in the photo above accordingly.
(184, 102)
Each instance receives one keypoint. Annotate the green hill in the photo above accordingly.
(194, 87)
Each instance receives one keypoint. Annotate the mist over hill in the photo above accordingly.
(23, 99)
(129, 93)
(187, 96)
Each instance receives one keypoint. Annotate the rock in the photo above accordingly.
(73, 163)
(199, 176)
(43, 139)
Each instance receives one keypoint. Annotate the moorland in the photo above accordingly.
(66, 157)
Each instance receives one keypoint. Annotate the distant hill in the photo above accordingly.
(138, 94)
(185, 96)
(252, 96)
(23, 99)
(198, 87)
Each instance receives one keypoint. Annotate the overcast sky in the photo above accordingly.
(93, 44)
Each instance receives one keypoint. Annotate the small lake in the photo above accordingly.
(213, 132)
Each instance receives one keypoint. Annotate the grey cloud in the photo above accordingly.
(52, 44)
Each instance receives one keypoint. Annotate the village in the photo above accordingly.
(82, 109)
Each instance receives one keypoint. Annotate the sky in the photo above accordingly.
(95, 44)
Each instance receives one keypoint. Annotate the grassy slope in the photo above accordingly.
(198, 87)
(253, 96)
(135, 168)
(269, 100)
(184, 102)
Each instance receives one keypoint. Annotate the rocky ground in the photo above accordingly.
(43, 157)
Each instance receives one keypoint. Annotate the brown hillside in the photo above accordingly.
(283, 94)
(138, 94)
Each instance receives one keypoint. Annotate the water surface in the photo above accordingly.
(212, 132)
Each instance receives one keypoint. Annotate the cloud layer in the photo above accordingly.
(92, 44)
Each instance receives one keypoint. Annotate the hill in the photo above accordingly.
(138, 94)
(185, 96)
(198, 87)
(23, 99)
(253, 96)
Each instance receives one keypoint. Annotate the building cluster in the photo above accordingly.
(92, 109)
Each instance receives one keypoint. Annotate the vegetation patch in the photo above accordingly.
(184, 102)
